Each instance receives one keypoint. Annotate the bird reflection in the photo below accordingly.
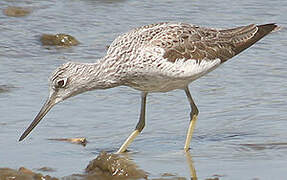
(192, 170)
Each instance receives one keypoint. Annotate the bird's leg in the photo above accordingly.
(193, 118)
(139, 126)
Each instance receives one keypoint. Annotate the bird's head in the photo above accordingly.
(68, 80)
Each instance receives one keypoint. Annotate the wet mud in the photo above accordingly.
(63, 40)
(114, 165)
(5, 88)
(22, 174)
(14, 11)
(263, 146)
(46, 169)
(106, 166)
(81, 141)
(169, 176)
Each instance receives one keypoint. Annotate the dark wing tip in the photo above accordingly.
(267, 28)
(262, 31)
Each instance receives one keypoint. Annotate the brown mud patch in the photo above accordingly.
(63, 40)
(114, 165)
(81, 141)
(105, 166)
(46, 169)
(5, 88)
(22, 174)
(263, 146)
(14, 11)
(169, 176)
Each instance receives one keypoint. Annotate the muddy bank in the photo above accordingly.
(105, 166)
(64, 40)
(114, 165)
(22, 174)
(14, 11)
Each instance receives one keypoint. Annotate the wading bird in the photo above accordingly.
(153, 58)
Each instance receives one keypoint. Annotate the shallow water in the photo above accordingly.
(241, 131)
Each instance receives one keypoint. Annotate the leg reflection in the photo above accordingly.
(191, 167)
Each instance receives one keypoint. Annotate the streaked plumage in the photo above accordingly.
(153, 58)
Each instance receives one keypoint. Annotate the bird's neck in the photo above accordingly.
(103, 75)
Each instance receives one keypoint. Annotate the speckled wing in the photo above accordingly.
(188, 42)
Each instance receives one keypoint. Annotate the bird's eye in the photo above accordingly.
(61, 83)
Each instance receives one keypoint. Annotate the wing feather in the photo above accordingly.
(189, 42)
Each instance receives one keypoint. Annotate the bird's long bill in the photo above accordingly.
(44, 110)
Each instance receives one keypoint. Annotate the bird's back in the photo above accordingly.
(179, 51)
(181, 40)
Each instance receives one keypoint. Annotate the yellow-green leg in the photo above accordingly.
(139, 126)
(192, 170)
(193, 118)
